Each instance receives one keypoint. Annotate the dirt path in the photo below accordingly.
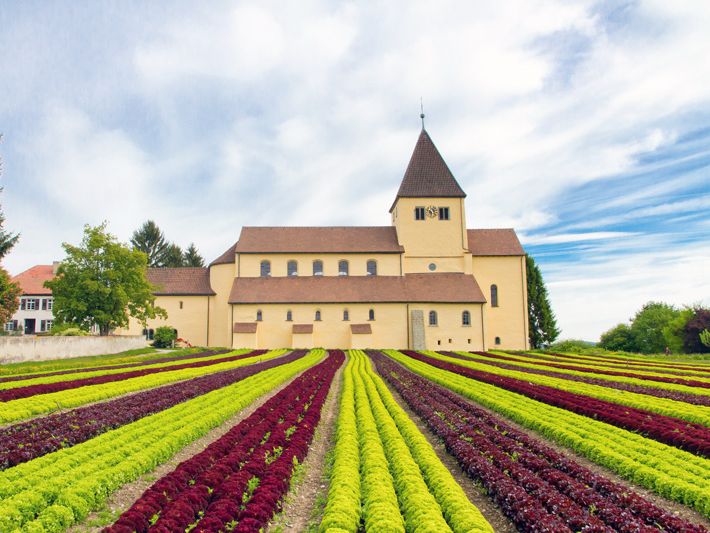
(676, 508)
(122, 499)
(302, 503)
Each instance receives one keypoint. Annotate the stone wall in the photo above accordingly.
(15, 349)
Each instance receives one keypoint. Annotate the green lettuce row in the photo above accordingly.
(409, 452)
(342, 511)
(45, 403)
(668, 471)
(57, 490)
(40, 380)
(687, 365)
(685, 411)
(524, 362)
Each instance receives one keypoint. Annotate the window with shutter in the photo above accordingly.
(43, 325)
(23, 304)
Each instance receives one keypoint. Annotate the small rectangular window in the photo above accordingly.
(443, 213)
(438, 342)
(49, 324)
(180, 304)
(419, 213)
(50, 304)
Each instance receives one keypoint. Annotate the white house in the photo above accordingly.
(35, 312)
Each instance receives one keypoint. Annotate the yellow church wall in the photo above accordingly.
(509, 320)
(414, 265)
(389, 329)
(220, 323)
(431, 237)
(190, 319)
(450, 333)
(249, 265)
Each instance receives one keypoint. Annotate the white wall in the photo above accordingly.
(14, 349)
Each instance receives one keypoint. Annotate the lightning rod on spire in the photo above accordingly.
(421, 115)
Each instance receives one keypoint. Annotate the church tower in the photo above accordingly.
(428, 213)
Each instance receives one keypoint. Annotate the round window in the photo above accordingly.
(432, 266)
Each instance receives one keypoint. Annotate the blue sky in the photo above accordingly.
(584, 125)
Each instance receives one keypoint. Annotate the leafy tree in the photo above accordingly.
(618, 339)
(674, 331)
(648, 324)
(542, 322)
(173, 257)
(102, 282)
(698, 322)
(705, 338)
(192, 258)
(150, 240)
(9, 296)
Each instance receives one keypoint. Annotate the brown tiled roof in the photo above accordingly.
(32, 280)
(244, 327)
(184, 281)
(302, 328)
(445, 287)
(336, 239)
(494, 242)
(227, 257)
(427, 174)
(360, 329)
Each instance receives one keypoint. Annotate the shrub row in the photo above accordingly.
(666, 470)
(59, 489)
(47, 403)
(25, 441)
(536, 487)
(685, 435)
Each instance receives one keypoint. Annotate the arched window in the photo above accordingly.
(346, 315)
(317, 267)
(466, 318)
(371, 315)
(433, 318)
(497, 340)
(494, 295)
(372, 267)
(343, 268)
(265, 269)
(292, 268)
(289, 316)
(318, 315)
(259, 315)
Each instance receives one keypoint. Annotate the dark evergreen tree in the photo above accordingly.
(151, 241)
(173, 257)
(192, 258)
(542, 322)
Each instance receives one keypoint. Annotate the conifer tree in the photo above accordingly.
(542, 322)
(151, 241)
(173, 257)
(192, 258)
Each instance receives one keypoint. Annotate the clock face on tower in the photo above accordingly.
(431, 211)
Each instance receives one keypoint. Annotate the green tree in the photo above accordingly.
(648, 325)
(705, 338)
(7, 239)
(674, 332)
(694, 327)
(541, 319)
(618, 338)
(102, 282)
(9, 296)
(192, 258)
(173, 257)
(150, 240)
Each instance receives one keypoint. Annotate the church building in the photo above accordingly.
(427, 281)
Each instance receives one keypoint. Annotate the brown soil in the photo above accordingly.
(300, 507)
(677, 509)
(122, 499)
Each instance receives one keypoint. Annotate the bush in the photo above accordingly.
(164, 337)
(68, 329)
(572, 346)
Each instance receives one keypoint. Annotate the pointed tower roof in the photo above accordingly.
(427, 175)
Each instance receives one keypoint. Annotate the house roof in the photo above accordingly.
(31, 281)
(183, 281)
(427, 174)
(227, 257)
(335, 239)
(494, 242)
(360, 329)
(442, 288)
(244, 327)
(302, 329)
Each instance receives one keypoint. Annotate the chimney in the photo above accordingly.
(55, 266)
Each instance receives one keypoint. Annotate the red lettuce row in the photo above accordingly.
(666, 368)
(45, 388)
(660, 379)
(650, 390)
(25, 441)
(538, 488)
(691, 437)
(22, 377)
(238, 482)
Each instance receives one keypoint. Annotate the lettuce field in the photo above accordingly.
(355, 441)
